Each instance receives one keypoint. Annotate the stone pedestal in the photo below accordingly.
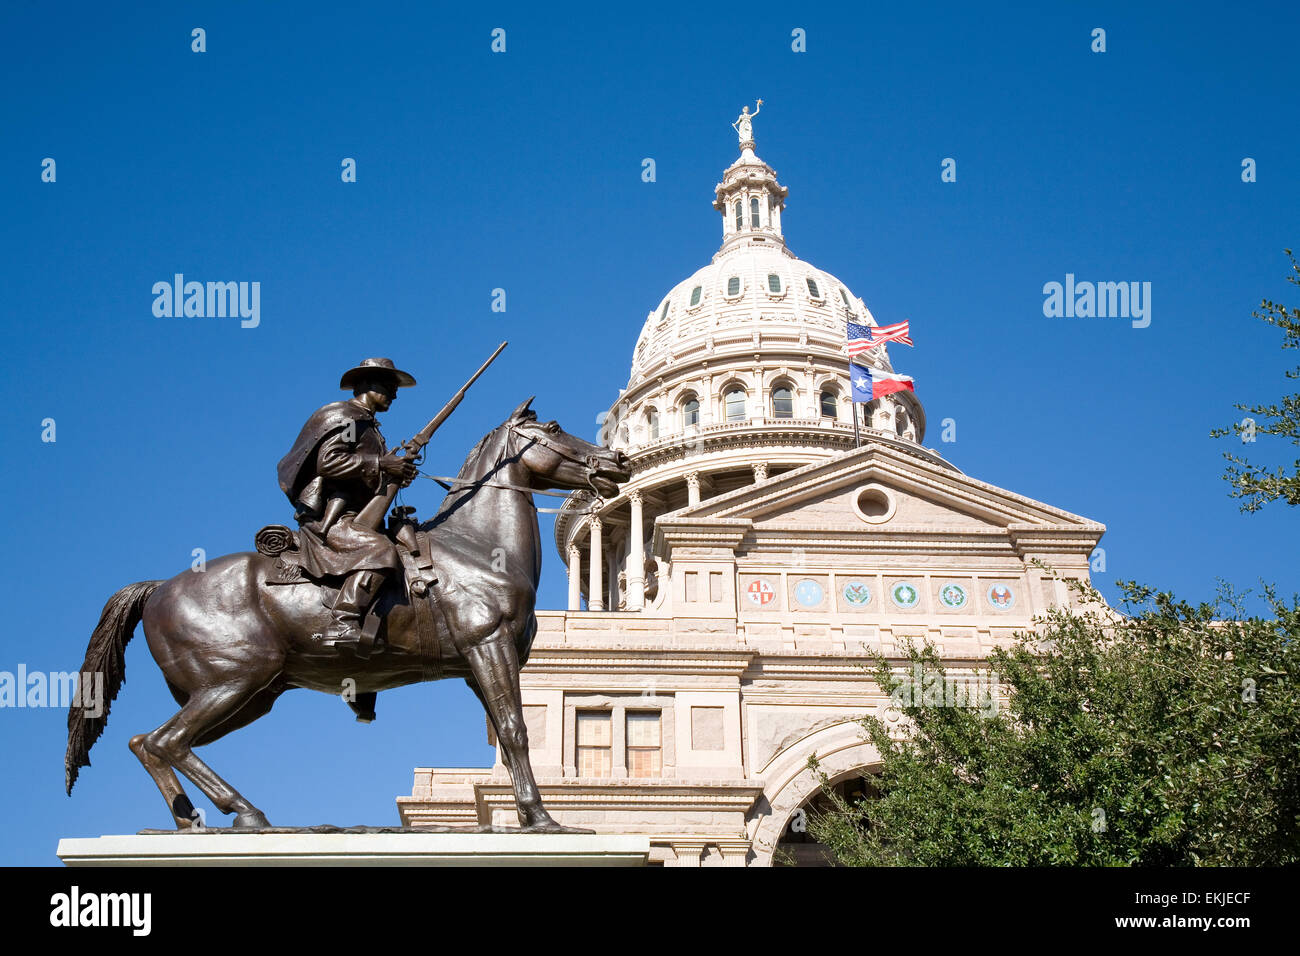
(356, 849)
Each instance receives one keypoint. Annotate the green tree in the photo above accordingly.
(1166, 737)
(1254, 485)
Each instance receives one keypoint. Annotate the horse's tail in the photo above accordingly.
(106, 655)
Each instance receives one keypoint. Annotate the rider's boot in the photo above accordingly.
(350, 606)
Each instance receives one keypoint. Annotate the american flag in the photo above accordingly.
(863, 338)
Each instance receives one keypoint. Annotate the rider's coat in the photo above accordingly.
(330, 474)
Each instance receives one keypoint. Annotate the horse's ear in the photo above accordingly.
(523, 411)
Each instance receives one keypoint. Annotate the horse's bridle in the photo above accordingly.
(590, 462)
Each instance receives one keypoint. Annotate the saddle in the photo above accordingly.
(413, 547)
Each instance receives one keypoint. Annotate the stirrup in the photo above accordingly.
(346, 634)
(369, 632)
(340, 633)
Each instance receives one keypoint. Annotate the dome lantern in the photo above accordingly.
(749, 197)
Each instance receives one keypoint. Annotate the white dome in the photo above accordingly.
(760, 304)
(740, 373)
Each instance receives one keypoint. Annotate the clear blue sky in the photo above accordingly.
(522, 171)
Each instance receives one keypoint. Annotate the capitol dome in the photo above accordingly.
(740, 373)
(749, 288)
(774, 540)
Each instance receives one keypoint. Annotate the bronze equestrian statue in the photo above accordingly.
(337, 465)
(231, 639)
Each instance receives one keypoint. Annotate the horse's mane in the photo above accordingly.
(470, 471)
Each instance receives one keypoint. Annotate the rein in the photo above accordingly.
(450, 483)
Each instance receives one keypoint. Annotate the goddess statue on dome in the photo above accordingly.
(744, 124)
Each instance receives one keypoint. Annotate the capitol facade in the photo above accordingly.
(722, 608)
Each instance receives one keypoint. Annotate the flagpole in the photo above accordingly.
(853, 404)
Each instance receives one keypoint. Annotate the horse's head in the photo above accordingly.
(556, 459)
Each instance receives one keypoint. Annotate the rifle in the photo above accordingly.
(372, 515)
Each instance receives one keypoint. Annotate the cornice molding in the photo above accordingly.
(640, 660)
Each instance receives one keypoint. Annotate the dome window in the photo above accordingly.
(695, 295)
(735, 405)
(691, 412)
(652, 423)
(782, 403)
(773, 282)
(753, 213)
(830, 408)
(845, 296)
(733, 285)
(812, 288)
(740, 218)
(663, 313)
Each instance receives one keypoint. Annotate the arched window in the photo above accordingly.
(740, 219)
(753, 213)
(663, 313)
(844, 295)
(735, 405)
(773, 282)
(652, 423)
(829, 407)
(695, 295)
(782, 402)
(691, 411)
(812, 288)
(900, 422)
(733, 285)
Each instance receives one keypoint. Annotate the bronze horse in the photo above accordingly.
(229, 645)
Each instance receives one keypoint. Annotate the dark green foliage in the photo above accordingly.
(1254, 485)
(1168, 737)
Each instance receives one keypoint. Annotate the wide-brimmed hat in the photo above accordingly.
(371, 365)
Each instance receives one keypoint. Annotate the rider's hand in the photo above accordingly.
(398, 467)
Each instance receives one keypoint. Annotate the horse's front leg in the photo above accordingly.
(495, 665)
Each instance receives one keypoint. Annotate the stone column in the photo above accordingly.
(760, 471)
(693, 487)
(612, 583)
(635, 556)
(733, 854)
(575, 578)
(688, 854)
(596, 583)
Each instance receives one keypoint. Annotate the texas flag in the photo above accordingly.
(872, 383)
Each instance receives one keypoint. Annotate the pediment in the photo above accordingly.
(884, 488)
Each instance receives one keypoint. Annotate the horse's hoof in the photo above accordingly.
(550, 826)
(250, 819)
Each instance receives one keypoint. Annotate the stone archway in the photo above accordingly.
(841, 750)
(797, 846)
